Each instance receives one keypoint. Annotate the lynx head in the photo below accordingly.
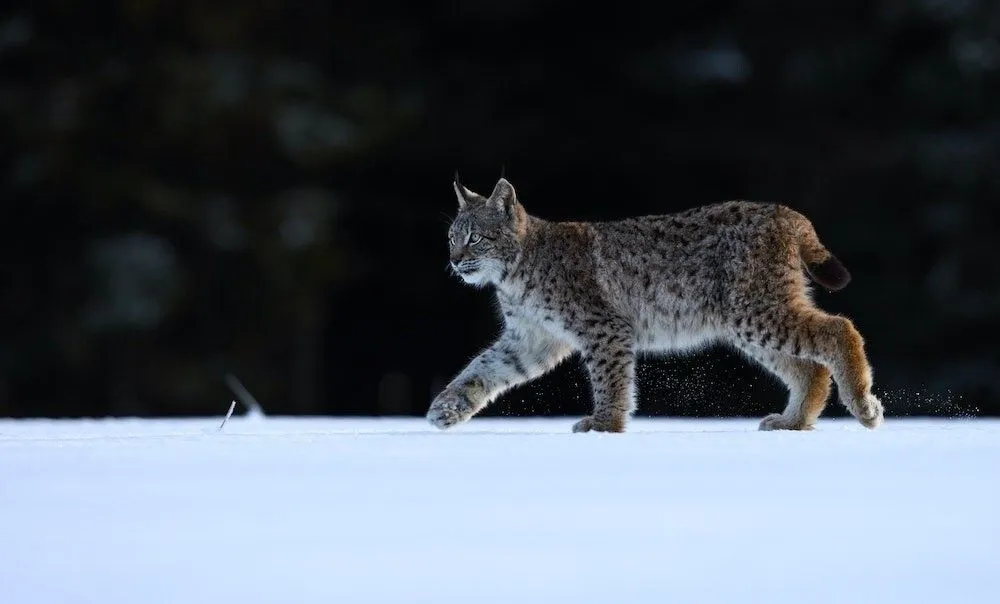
(486, 235)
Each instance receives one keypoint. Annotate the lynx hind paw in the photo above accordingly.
(869, 411)
(449, 409)
(589, 423)
(777, 421)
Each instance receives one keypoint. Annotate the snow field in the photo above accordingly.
(391, 510)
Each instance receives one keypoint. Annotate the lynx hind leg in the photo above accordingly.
(808, 385)
(832, 341)
(839, 346)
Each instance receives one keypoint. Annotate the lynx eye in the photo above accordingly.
(475, 238)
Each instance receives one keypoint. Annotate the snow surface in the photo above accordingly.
(513, 511)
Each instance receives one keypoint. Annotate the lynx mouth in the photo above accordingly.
(467, 268)
(472, 273)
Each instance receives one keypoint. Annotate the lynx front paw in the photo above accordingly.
(450, 408)
(777, 421)
(599, 425)
(869, 411)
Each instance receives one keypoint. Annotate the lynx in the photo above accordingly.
(726, 273)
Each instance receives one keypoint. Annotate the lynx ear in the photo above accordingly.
(465, 196)
(503, 196)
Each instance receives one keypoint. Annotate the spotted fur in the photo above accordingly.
(731, 273)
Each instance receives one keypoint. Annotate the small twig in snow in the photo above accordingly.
(228, 415)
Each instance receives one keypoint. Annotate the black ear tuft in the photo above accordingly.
(465, 196)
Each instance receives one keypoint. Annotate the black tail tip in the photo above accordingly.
(831, 274)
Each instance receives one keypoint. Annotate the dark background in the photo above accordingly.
(263, 188)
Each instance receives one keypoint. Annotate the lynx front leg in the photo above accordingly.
(515, 358)
(612, 378)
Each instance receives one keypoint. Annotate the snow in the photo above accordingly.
(498, 510)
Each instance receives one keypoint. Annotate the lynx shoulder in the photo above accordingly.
(735, 273)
